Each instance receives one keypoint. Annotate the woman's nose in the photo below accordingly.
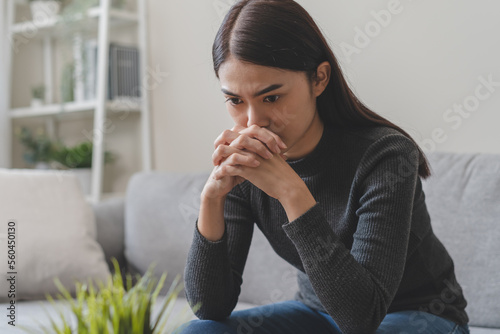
(256, 117)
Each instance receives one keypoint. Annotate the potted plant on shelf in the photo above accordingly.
(119, 307)
(67, 83)
(44, 9)
(79, 160)
(39, 147)
(37, 95)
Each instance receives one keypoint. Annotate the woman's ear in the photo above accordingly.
(323, 73)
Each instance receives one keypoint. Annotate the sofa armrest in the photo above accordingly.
(109, 217)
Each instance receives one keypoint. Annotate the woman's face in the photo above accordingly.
(281, 101)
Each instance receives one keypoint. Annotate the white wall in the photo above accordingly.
(424, 62)
(426, 59)
(188, 107)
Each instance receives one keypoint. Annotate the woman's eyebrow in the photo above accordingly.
(264, 91)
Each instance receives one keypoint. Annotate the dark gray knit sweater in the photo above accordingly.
(365, 249)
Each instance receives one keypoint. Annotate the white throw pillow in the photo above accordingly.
(55, 234)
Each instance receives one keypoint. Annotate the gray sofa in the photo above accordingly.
(155, 222)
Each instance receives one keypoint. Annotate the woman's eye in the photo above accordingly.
(234, 101)
(272, 98)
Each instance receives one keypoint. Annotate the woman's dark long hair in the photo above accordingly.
(280, 33)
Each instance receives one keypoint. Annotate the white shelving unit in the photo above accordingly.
(104, 18)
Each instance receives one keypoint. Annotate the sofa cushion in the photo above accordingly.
(267, 278)
(462, 196)
(55, 233)
(109, 218)
(483, 330)
(160, 211)
(160, 214)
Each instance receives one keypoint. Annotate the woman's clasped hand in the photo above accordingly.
(255, 154)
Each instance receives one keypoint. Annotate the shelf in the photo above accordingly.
(32, 29)
(102, 24)
(74, 107)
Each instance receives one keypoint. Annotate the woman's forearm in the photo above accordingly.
(211, 218)
(297, 200)
(209, 277)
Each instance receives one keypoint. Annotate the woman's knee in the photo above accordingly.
(203, 326)
(412, 321)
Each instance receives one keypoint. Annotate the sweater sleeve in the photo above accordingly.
(357, 286)
(214, 269)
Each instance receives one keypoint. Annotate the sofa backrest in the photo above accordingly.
(160, 214)
(463, 199)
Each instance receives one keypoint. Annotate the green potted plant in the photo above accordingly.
(119, 307)
(37, 95)
(40, 149)
(44, 9)
(78, 158)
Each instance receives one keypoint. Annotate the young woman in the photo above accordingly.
(334, 187)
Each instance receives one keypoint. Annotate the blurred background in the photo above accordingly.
(430, 67)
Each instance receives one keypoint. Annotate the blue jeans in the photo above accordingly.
(294, 317)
